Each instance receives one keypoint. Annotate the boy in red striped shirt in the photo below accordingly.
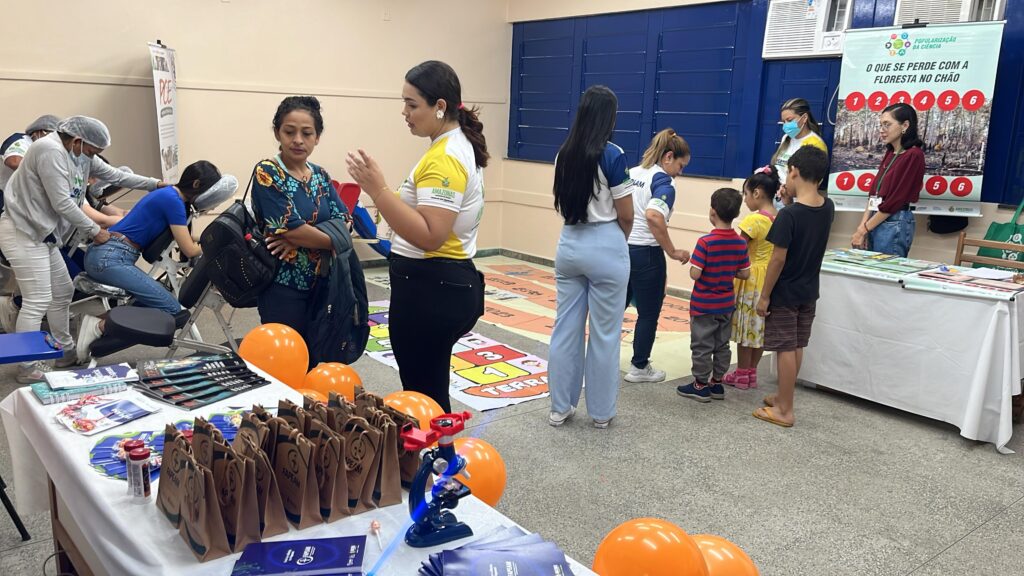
(718, 258)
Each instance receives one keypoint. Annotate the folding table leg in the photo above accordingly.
(12, 512)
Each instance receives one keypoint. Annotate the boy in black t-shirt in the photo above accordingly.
(800, 235)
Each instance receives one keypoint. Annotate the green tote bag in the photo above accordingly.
(1011, 232)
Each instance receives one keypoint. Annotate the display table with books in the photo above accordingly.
(942, 342)
(104, 530)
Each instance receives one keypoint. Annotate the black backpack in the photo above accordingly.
(238, 261)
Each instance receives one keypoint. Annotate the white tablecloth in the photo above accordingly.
(132, 537)
(947, 357)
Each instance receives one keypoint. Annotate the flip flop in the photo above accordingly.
(766, 415)
(768, 402)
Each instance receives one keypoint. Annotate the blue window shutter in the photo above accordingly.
(543, 95)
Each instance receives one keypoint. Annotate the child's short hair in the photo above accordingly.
(766, 178)
(812, 163)
(726, 203)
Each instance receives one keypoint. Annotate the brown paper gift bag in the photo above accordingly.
(170, 487)
(408, 460)
(235, 481)
(389, 478)
(254, 429)
(331, 478)
(362, 458)
(293, 414)
(268, 496)
(202, 526)
(295, 468)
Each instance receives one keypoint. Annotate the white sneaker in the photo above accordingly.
(88, 332)
(558, 418)
(646, 374)
(602, 424)
(9, 314)
(33, 372)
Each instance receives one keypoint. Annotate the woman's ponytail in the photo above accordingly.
(469, 121)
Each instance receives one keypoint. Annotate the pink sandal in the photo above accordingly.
(741, 378)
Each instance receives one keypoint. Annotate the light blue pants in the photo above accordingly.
(592, 273)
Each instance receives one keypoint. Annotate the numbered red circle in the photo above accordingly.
(936, 185)
(901, 97)
(924, 100)
(948, 100)
(961, 187)
(877, 101)
(973, 100)
(866, 181)
(845, 181)
(855, 101)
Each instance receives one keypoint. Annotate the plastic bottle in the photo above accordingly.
(138, 473)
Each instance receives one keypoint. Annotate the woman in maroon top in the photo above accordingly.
(888, 224)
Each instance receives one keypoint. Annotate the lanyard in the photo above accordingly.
(878, 182)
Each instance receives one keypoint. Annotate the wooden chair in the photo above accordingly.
(964, 242)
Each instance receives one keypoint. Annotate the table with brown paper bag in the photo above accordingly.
(185, 528)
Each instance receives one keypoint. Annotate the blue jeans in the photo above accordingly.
(113, 263)
(591, 272)
(647, 275)
(894, 235)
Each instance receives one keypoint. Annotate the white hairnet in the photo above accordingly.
(91, 130)
(46, 122)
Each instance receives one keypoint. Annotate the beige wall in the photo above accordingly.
(525, 10)
(238, 58)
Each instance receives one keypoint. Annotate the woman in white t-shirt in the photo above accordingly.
(593, 195)
(653, 199)
(799, 128)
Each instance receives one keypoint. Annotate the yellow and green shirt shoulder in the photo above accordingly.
(446, 177)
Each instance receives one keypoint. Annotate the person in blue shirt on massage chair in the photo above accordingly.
(113, 263)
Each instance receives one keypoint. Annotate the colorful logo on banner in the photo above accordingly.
(947, 74)
(898, 44)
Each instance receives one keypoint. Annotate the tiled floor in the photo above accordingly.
(853, 489)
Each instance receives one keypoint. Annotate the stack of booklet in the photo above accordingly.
(508, 550)
(68, 385)
(196, 381)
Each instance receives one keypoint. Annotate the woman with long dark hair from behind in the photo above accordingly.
(887, 225)
(593, 194)
(437, 295)
(113, 262)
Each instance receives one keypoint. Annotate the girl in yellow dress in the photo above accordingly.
(747, 327)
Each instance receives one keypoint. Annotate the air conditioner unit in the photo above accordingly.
(948, 11)
(805, 28)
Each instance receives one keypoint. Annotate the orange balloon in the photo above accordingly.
(486, 468)
(419, 406)
(724, 558)
(279, 351)
(330, 377)
(649, 547)
(313, 394)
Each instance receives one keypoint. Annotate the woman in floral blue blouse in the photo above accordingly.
(290, 196)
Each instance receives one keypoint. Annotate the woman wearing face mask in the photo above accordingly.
(799, 128)
(887, 225)
(113, 263)
(437, 295)
(649, 242)
(43, 201)
(290, 196)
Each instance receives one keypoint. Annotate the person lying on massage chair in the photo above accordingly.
(113, 263)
